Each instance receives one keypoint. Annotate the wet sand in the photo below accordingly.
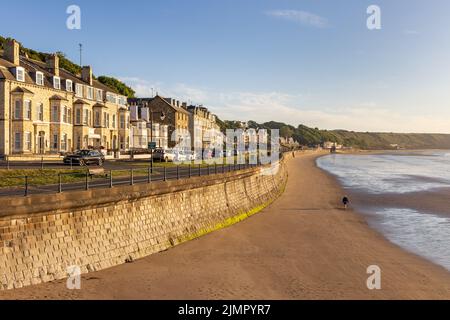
(304, 246)
(435, 202)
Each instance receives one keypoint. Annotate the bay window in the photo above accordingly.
(27, 109)
(55, 114)
(55, 142)
(18, 109)
(40, 114)
(28, 141)
(17, 141)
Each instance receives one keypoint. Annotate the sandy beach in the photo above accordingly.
(304, 246)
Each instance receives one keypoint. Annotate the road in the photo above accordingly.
(108, 164)
(157, 174)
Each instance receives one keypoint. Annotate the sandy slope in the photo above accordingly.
(302, 247)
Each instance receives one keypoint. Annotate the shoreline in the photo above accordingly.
(433, 202)
(303, 246)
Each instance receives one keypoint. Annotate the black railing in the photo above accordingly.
(100, 178)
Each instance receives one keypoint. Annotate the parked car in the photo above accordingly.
(163, 155)
(85, 157)
(180, 156)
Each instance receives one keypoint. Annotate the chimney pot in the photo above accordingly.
(86, 75)
(12, 52)
(53, 64)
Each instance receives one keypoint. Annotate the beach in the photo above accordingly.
(303, 246)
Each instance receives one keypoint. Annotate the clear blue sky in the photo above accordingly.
(297, 61)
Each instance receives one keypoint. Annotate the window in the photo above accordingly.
(28, 141)
(57, 82)
(86, 117)
(99, 95)
(20, 74)
(104, 120)
(40, 114)
(18, 109)
(122, 101)
(64, 115)
(69, 86)
(122, 122)
(55, 114)
(39, 78)
(90, 93)
(55, 142)
(17, 141)
(27, 107)
(97, 119)
(78, 142)
(69, 115)
(78, 116)
(114, 121)
(79, 90)
(107, 120)
(111, 98)
(64, 142)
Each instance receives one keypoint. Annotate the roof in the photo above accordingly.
(80, 101)
(178, 109)
(31, 66)
(149, 100)
(57, 97)
(104, 87)
(21, 90)
(99, 105)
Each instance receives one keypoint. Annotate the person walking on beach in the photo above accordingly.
(345, 202)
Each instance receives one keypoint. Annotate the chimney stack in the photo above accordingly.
(86, 75)
(12, 52)
(53, 64)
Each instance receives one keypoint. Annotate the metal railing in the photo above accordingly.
(35, 164)
(82, 180)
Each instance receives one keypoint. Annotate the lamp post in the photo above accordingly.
(162, 116)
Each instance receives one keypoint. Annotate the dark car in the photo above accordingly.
(164, 155)
(85, 157)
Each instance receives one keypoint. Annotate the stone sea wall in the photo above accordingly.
(42, 235)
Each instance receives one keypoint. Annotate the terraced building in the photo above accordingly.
(44, 109)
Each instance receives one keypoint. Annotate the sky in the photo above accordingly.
(311, 62)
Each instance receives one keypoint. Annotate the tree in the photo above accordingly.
(121, 87)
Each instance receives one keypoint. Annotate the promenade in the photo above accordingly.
(303, 246)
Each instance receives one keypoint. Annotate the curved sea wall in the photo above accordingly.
(42, 235)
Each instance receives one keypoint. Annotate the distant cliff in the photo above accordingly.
(374, 140)
(363, 140)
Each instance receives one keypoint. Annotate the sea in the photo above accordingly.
(404, 195)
